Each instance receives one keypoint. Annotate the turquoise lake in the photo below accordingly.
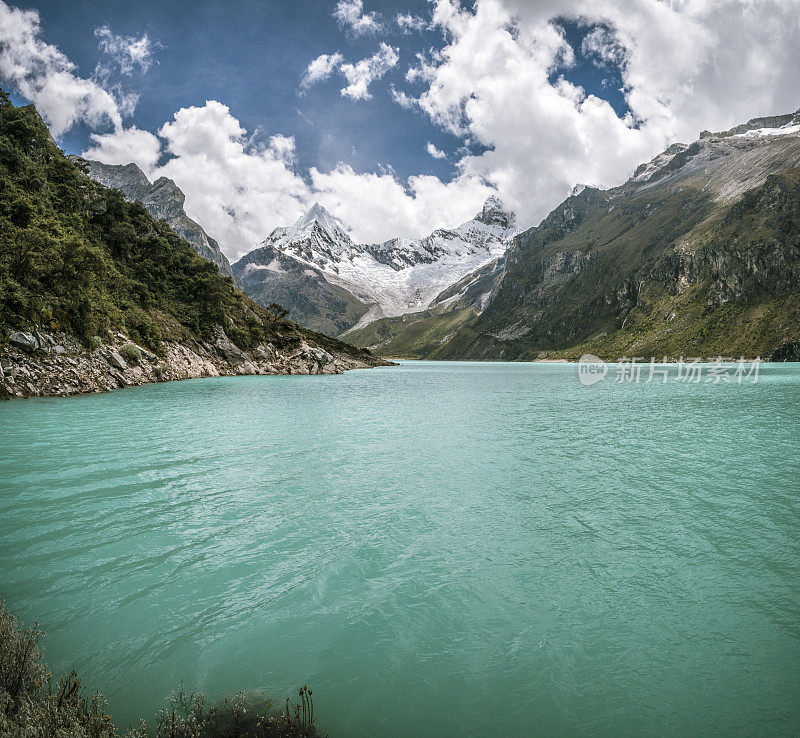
(435, 548)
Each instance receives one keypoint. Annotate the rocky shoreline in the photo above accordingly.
(40, 364)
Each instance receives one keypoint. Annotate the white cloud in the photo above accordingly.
(402, 99)
(359, 75)
(407, 22)
(42, 74)
(685, 66)
(425, 68)
(239, 190)
(236, 188)
(363, 73)
(602, 45)
(283, 148)
(351, 16)
(127, 52)
(124, 146)
(379, 206)
(320, 69)
(434, 152)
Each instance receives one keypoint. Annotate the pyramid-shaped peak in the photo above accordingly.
(319, 214)
(317, 211)
(494, 212)
(317, 218)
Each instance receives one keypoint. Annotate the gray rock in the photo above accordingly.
(59, 349)
(23, 340)
(321, 355)
(149, 355)
(232, 353)
(121, 381)
(117, 361)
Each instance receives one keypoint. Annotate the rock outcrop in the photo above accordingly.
(38, 364)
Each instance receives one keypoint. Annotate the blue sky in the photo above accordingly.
(251, 55)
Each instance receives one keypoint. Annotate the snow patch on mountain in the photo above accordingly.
(763, 132)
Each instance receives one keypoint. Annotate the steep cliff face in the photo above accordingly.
(164, 200)
(696, 254)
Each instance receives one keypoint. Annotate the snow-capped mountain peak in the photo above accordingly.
(319, 215)
(391, 278)
(319, 219)
(316, 237)
(495, 213)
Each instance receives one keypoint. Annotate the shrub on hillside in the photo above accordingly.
(131, 353)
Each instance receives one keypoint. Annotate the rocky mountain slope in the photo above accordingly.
(331, 283)
(164, 200)
(96, 293)
(698, 254)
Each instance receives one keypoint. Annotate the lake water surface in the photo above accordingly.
(435, 548)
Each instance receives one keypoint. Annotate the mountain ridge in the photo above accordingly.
(97, 293)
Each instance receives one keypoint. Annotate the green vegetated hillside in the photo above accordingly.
(697, 255)
(77, 257)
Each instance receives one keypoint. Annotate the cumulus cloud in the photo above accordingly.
(407, 22)
(127, 52)
(240, 189)
(601, 45)
(359, 75)
(434, 152)
(42, 74)
(379, 206)
(351, 16)
(363, 73)
(402, 99)
(320, 69)
(124, 146)
(237, 188)
(685, 67)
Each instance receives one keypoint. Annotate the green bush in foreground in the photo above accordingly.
(32, 707)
